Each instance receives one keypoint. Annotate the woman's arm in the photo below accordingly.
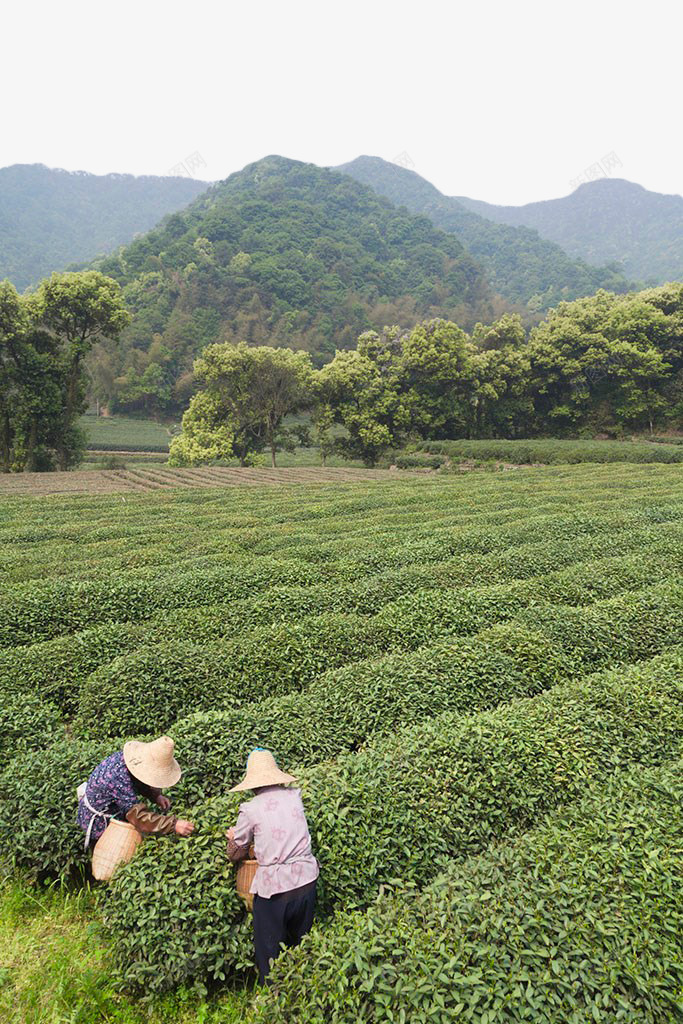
(240, 838)
(150, 822)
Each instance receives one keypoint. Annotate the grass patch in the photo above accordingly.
(55, 969)
(124, 432)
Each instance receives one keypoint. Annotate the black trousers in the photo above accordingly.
(284, 918)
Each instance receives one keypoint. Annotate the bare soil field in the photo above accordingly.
(112, 481)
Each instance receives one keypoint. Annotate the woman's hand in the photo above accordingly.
(184, 828)
(230, 834)
(163, 802)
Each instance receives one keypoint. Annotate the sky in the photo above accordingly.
(506, 102)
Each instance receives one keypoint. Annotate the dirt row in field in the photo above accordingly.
(111, 481)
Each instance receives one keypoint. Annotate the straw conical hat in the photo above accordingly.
(262, 770)
(152, 763)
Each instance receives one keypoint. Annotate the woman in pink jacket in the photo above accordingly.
(285, 883)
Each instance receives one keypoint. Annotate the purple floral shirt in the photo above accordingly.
(275, 822)
(111, 788)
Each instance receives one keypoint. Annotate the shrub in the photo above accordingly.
(553, 451)
(579, 920)
(38, 829)
(343, 708)
(26, 723)
(347, 705)
(399, 808)
(46, 609)
(152, 687)
(149, 689)
(56, 668)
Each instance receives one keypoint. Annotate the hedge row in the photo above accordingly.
(577, 921)
(398, 809)
(38, 829)
(147, 690)
(48, 609)
(343, 708)
(103, 446)
(26, 723)
(57, 668)
(553, 452)
(480, 539)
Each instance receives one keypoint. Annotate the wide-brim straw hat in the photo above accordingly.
(262, 770)
(152, 763)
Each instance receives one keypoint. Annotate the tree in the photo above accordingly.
(72, 312)
(599, 361)
(362, 394)
(246, 394)
(436, 372)
(29, 388)
(13, 357)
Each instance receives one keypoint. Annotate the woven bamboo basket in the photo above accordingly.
(116, 845)
(246, 869)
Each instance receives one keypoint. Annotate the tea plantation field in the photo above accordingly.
(478, 682)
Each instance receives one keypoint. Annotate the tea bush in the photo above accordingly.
(38, 829)
(148, 690)
(57, 668)
(26, 723)
(553, 452)
(578, 920)
(399, 809)
(343, 708)
(46, 609)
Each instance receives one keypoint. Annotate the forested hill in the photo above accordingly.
(521, 266)
(606, 220)
(283, 253)
(50, 219)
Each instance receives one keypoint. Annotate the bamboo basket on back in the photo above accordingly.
(116, 845)
(246, 869)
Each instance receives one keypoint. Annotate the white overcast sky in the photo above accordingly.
(503, 101)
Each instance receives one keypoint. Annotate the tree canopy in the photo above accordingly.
(246, 393)
(44, 338)
(283, 254)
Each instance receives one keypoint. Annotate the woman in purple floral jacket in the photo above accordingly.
(116, 785)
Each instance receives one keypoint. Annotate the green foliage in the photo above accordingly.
(363, 619)
(38, 829)
(285, 254)
(398, 809)
(54, 218)
(605, 362)
(57, 668)
(342, 708)
(247, 394)
(49, 608)
(578, 920)
(552, 452)
(148, 689)
(26, 723)
(43, 341)
(521, 266)
(608, 359)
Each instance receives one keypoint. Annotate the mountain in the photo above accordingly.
(608, 220)
(522, 266)
(281, 253)
(51, 218)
